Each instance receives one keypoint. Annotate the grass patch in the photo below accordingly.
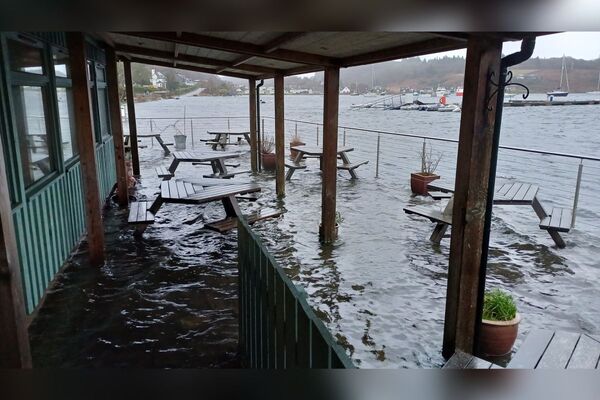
(498, 306)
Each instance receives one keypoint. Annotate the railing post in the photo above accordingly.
(344, 136)
(423, 155)
(151, 125)
(192, 131)
(317, 135)
(377, 162)
(577, 187)
(228, 125)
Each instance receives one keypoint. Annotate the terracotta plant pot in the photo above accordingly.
(337, 229)
(419, 182)
(294, 153)
(498, 337)
(269, 161)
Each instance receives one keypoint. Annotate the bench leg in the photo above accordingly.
(156, 204)
(560, 243)
(163, 145)
(173, 166)
(438, 233)
(139, 230)
(346, 160)
(289, 173)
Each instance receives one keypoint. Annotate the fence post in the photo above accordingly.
(317, 135)
(150, 124)
(577, 187)
(423, 155)
(296, 130)
(344, 136)
(377, 162)
(228, 125)
(192, 131)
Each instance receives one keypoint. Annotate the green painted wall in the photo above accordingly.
(50, 223)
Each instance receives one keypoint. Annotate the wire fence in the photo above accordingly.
(565, 180)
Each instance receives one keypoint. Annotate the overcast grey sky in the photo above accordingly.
(585, 45)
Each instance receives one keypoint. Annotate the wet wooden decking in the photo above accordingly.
(542, 349)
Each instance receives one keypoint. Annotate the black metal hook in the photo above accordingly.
(503, 85)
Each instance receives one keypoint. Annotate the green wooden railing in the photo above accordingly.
(278, 329)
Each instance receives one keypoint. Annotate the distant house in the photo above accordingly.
(345, 90)
(158, 80)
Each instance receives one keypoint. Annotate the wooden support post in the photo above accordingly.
(253, 133)
(133, 141)
(116, 125)
(14, 340)
(329, 159)
(279, 137)
(466, 274)
(86, 144)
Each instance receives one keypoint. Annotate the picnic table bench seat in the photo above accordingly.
(163, 173)
(559, 219)
(439, 195)
(139, 213)
(226, 175)
(352, 167)
(443, 221)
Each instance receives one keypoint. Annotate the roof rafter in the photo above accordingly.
(144, 51)
(232, 46)
(268, 48)
(194, 68)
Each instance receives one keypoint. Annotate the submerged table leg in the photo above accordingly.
(232, 208)
(346, 160)
(173, 165)
(162, 144)
(438, 232)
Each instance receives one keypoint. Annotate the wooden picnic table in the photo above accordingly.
(317, 151)
(216, 160)
(221, 138)
(152, 136)
(513, 193)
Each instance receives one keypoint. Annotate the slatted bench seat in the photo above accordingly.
(231, 222)
(350, 167)
(438, 195)
(441, 187)
(228, 175)
(462, 360)
(442, 220)
(139, 213)
(292, 167)
(163, 173)
(559, 219)
(232, 165)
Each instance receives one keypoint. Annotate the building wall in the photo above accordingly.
(49, 214)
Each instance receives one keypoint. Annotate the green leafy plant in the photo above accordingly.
(498, 306)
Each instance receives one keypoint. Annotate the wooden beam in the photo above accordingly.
(279, 136)
(186, 67)
(116, 123)
(331, 93)
(232, 46)
(253, 132)
(466, 273)
(135, 158)
(406, 50)
(86, 144)
(168, 56)
(14, 339)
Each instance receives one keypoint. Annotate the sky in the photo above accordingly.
(584, 45)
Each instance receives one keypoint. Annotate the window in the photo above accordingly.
(25, 57)
(103, 111)
(62, 72)
(35, 144)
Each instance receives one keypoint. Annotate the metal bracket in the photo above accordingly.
(502, 85)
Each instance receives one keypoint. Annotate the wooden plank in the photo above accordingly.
(513, 190)
(135, 159)
(330, 151)
(164, 189)
(532, 349)
(559, 351)
(181, 189)
(531, 193)
(86, 144)
(116, 124)
(14, 339)
(520, 195)
(478, 363)
(586, 354)
(279, 137)
(459, 360)
(466, 271)
(566, 219)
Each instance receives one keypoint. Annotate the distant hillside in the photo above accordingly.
(538, 74)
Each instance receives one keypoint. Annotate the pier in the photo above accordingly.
(548, 103)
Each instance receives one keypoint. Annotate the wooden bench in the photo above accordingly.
(292, 168)
(442, 220)
(231, 222)
(226, 175)
(462, 360)
(439, 195)
(559, 219)
(163, 173)
(350, 167)
(232, 165)
(139, 213)
(440, 187)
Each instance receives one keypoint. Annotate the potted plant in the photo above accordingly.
(499, 325)
(269, 160)
(338, 220)
(296, 141)
(429, 164)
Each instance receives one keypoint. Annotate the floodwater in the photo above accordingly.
(380, 288)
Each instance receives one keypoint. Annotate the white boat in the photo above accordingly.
(440, 91)
(559, 92)
(459, 91)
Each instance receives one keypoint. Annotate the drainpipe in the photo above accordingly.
(527, 46)
(259, 141)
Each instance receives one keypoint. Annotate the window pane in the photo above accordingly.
(67, 128)
(62, 68)
(100, 74)
(25, 58)
(103, 112)
(30, 110)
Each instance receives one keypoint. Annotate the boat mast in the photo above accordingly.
(562, 72)
(566, 75)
